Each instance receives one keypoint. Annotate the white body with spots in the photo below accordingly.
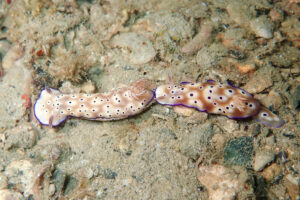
(53, 107)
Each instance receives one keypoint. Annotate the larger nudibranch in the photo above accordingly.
(53, 107)
(213, 97)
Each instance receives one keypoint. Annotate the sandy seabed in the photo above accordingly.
(163, 153)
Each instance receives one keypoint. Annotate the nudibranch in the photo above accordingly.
(53, 107)
(216, 98)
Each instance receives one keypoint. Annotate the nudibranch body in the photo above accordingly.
(53, 107)
(216, 98)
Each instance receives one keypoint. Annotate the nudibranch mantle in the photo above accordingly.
(216, 98)
(53, 107)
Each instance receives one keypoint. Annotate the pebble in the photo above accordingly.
(223, 183)
(229, 125)
(51, 190)
(183, 110)
(239, 152)
(210, 56)
(261, 80)
(239, 12)
(295, 98)
(10, 195)
(59, 179)
(13, 54)
(109, 174)
(169, 133)
(243, 14)
(160, 23)
(198, 138)
(292, 185)
(3, 182)
(49, 149)
(136, 49)
(88, 87)
(276, 14)
(273, 99)
(201, 39)
(22, 136)
(21, 174)
(219, 141)
(262, 27)
(199, 10)
(246, 68)
(262, 159)
(271, 172)
(4, 47)
(86, 172)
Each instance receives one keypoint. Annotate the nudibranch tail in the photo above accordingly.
(268, 118)
(53, 107)
(211, 97)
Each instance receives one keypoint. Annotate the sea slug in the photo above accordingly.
(216, 98)
(53, 107)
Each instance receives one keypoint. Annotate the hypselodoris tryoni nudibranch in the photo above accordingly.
(53, 107)
(216, 98)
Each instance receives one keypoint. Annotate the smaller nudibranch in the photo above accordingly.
(53, 107)
(216, 98)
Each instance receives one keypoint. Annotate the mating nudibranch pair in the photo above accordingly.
(53, 107)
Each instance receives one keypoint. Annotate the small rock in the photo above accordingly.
(68, 88)
(196, 118)
(261, 80)
(295, 98)
(262, 159)
(51, 150)
(137, 48)
(109, 174)
(184, 110)
(14, 53)
(273, 99)
(246, 68)
(262, 27)
(239, 12)
(165, 22)
(59, 179)
(3, 182)
(168, 132)
(4, 47)
(270, 141)
(86, 172)
(22, 136)
(51, 190)
(276, 14)
(201, 39)
(10, 195)
(292, 185)
(210, 56)
(219, 141)
(271, 172)
(199, 10)
(281, 60)
(223, 183)
(198, 138)
(21, 174)
(88, 87)
(229, 125)
(239, 152)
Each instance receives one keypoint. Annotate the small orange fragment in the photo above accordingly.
(27, 99)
